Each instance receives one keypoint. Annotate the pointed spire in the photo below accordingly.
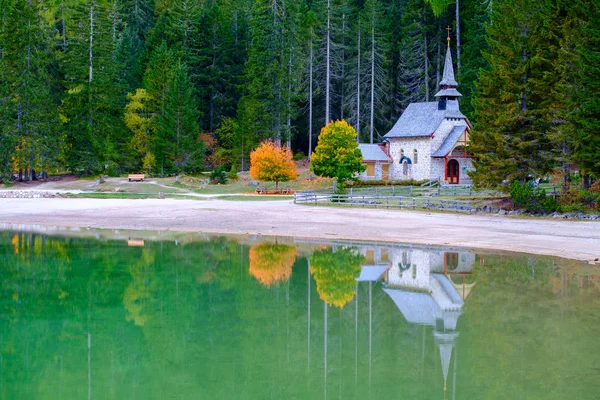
(448, 77)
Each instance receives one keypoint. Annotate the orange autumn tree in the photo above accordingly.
(270, 263)
(272, 163)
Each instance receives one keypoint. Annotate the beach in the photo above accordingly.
(578, 240)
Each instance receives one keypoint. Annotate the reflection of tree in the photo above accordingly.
(270, 263)
(141, 288)
(335, 273)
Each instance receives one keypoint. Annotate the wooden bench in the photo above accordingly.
(286, 191)
(136, 177)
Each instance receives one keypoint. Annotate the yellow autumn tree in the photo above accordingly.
(272, 163)
(270, 263)
(335, 272)
(141, 121)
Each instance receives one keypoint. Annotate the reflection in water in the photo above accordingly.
(420, 283)
(335, 271)
(270, 263)
(224, 319)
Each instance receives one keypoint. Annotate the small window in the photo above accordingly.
(415, 157)
(401, 153)
(370, 257)
(370, 169)
(384, 255)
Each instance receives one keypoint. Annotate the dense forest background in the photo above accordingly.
(169, 86)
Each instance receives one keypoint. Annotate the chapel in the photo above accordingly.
(428, 142)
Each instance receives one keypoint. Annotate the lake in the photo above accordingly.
(191, 316)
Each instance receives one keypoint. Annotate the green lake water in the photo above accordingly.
(242, 318)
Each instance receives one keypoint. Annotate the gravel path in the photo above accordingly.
(570, 239)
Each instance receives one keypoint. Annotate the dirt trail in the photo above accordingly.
(570, 239)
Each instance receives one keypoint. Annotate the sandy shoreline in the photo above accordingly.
(569, 239)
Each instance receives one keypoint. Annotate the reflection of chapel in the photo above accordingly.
(429, 288)
(427, 142)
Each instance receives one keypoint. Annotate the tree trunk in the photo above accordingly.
(358, 89)
(457, 37)
(328, 66)
(426, 68)
(437, 69)
(289, 104)
(342, 78)
(310, 96)
(91, 50)
(371, 124)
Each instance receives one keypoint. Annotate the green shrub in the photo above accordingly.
(532, 200)
(233, 173)
(299, 156)
(408, 182)
(217, 176)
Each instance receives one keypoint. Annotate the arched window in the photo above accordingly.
(415, 157)
(405, 167)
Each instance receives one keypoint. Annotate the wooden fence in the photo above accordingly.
(410, 191)
(378, 200)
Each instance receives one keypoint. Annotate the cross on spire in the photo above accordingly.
(448, 29)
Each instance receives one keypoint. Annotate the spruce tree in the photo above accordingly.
(177, 148)
(93, 102)
(29, 109)
(585, 104)
(510, 139)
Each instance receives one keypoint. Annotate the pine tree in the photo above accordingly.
(475, 18)
(414, 65)
(29, 110)
(585, 103)
(6, 138)
(93, 102)
(176, 147)
(510, 140)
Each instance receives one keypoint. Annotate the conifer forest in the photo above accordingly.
(181, 86)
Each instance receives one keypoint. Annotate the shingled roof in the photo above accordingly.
(373, 152)
(448, 77)
(450, 141)
(418, 120)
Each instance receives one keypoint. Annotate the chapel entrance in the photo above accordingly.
(453, 172)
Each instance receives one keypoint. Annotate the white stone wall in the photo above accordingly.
(438, 168)
(418, 171)
(378, 173)
(410, 268)
(426, 168)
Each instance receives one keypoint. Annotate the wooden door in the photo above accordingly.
(385, 172)
(453, 172)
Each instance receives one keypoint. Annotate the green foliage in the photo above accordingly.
(510, 140)
(92, 104)
(218, 176)
(535, 106)
(524, 195)
(337, 154)
(406, 182)
(438, 6)
(177, 149)
(335, 273)
(142, 124)
(233, 175)
(574, 198)
(299, 156)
